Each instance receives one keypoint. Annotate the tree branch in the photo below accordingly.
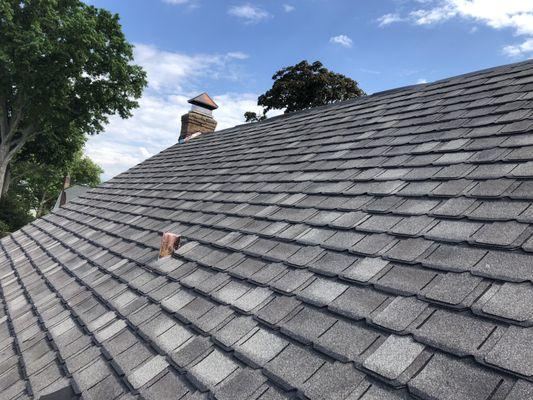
(21, 141)
(16, 117)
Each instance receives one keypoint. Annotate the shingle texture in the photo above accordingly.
(378, 248)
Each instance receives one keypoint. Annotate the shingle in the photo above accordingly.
(191, 350)
(499, 233)
(282, 251)
(412, 226)
(315, 235)
(408, 250)
(400, 313)
(454, 187)
(260, 347)
(322, 291)
(292, 280)
(332, 263)
(394, 356)
(459, 333)
(452, 288)
(379, 223)
(521, 390)
(505, 265)
(305, 255)
(453, 231)
(513, 301)
(454, 208)
(177, 301)
(498, 210)
(445, 377)
(277, 309)
(491, 188)
(241, 385)
(357, 303)
(231, 291)
(454, 258)
(346, 341)
(294, 366)
(365, 269)
(173, 338)
(349, 219)
(333, 381)
(149, 370)
(169, 386)
(92, 374)
(235, 330)
(268, 273)
(406, 280)
(373, 244)
(343, 240)
(109, 388)
(307, 325)
(212, 370)
(513, 352)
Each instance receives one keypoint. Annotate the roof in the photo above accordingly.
(203, 100)
(379, 248)
(71, 193)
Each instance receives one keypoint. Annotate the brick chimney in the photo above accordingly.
(200, 119)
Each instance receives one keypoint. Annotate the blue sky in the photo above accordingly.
(232, 48)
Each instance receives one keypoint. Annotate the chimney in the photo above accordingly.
(200, 119)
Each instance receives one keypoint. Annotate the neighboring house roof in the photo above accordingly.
(378, 248)
(71, 193)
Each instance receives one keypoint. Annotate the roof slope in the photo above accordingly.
(373, 249)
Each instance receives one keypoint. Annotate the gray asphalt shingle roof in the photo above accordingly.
(373, 249)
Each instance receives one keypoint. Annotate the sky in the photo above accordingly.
(231, 49)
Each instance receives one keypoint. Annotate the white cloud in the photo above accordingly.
(288, 8)
(249, 13)
(421, 80)
(239, 55)
(517, 50)
(388, 19)
(155, 125)
(498, 14)
(342, 40)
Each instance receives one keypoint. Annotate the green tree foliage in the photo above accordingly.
(303, 86)
(38, 185)
(65, 67)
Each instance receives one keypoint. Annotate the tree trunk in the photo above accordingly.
(40, 211)
(4, 179)
(7, 181)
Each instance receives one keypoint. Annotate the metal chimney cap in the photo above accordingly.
(203, 100)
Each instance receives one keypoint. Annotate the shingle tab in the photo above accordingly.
(512, 301)
(445, 377)
(513, 352)
(394, 356)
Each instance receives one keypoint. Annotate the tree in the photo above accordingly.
(38, 185)
(303, 86)
(65, 67)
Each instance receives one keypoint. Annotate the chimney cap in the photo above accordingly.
(203, 100)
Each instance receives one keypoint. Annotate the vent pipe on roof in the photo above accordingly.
(169, 243)
(200, 119)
